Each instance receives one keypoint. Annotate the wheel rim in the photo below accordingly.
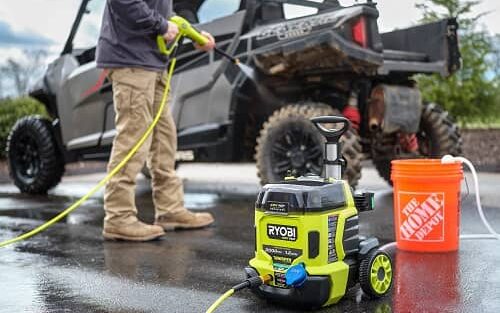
(381, 274)
(26, 158)
(297, 150)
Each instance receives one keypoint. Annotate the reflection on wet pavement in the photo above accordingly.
(70, 268)
(438, 278)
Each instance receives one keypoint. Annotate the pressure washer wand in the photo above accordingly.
(188, 30)
(230, 57)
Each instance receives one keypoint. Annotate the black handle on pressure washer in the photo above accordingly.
(331, 135)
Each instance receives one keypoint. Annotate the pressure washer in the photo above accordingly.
(308, 251)
(307, 235)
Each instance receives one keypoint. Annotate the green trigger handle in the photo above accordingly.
(162, 45)
(185, 30)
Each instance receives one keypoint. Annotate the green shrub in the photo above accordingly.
(13, 109)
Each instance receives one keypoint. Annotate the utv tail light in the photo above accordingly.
(359, 34)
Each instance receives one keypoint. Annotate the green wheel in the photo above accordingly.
(375, 274)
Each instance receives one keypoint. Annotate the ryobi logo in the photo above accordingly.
(281, 232)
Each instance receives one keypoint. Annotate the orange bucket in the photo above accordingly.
(426, 204)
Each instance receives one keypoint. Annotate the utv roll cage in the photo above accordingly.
(68, 46)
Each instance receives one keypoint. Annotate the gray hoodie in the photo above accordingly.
(128, 34)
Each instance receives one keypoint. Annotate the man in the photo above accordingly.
(127, 49)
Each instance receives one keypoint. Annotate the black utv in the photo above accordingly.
(311, 58)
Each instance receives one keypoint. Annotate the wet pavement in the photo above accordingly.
(69, 268)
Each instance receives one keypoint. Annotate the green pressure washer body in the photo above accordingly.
(307, 235)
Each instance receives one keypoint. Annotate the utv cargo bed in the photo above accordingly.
(428, 48)
(326, 51)
(320, 44)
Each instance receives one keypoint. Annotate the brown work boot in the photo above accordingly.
(184, 220)
(137, 231)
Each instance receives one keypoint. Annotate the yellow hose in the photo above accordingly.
(109, 176)
(219, 301)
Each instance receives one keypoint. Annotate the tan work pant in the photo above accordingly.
(137, 94)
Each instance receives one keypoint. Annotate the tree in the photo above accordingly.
(1, 86)
(22, 72)
(496, 58)
(469, 94)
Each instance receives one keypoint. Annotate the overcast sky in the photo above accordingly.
(46, 23)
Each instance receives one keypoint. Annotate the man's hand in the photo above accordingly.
(171, 33)
(209, 45)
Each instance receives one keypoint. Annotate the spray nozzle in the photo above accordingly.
(230, 57)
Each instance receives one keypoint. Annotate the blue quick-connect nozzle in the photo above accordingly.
(296, 275)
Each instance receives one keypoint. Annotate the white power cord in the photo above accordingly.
(447, 159)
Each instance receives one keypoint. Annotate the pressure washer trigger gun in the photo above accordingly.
(189, 31)
(333, 163)
(185, 30)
